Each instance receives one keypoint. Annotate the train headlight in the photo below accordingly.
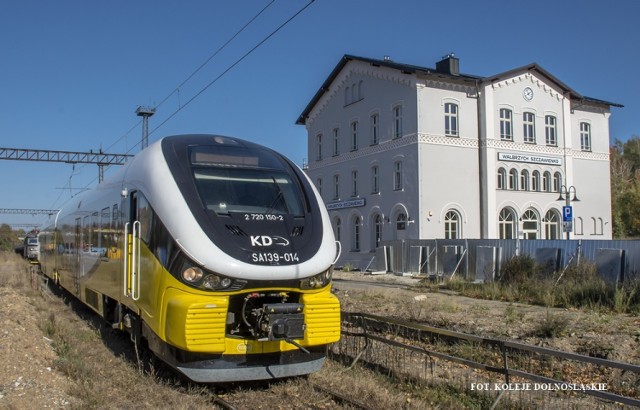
(211, 282)
(192, 274)
(318, 281)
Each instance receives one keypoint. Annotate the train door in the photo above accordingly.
(131, 251)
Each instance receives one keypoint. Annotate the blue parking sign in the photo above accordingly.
(567, 213)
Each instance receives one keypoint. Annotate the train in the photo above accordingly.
(30, 248)
(213, 252)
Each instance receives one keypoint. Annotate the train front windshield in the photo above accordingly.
(239, 179)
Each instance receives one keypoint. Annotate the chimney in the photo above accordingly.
(448, 65)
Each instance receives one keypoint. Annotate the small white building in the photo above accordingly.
(406, 152)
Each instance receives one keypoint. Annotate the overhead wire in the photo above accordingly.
(201, 66)
(238, 61)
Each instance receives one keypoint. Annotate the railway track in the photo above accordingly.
(405, 349)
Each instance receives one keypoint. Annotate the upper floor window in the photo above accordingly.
(502, 178)
(535, 181)
(336, 186)
(513, 179)
(585, 136)
(319, 147)
(354, 136)
(397, 121)
(319, 185)
(397, 176)
(375, 132)
(354, 93)
(336, 142)
(354, 183)
(546, 181)
(375, 181)
(550, 133)
(529, 127)
(451, 120)
(506, 124)
(524, 180)
(557, 182)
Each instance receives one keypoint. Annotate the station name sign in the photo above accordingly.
(353, 203)
(532, 159)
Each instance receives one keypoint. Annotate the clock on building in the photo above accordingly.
(527, 93)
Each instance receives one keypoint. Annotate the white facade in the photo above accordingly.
(406, 152)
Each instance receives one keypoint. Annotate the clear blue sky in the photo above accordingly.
(73, 72)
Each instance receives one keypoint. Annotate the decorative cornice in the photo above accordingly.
(451, 141)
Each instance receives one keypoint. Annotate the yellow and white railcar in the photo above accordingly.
(215, 252)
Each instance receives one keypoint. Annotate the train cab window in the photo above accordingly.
(144, 216)
(239, 179)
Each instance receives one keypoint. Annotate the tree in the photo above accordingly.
(625, 187)
(8, 239)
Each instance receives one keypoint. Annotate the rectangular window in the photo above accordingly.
(375, 138)
(319, 147)
(397, 176)
(506, 124)
(319, 185)
(550, 130)
(585, 136)
(529, 127)
(336, 142)
(397, 121)
(375, 182)
(336, 186)
(354, 183)
(451, 120)
(354, 136)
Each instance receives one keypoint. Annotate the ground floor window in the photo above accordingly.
(530, 224)
(452, 225)
(507, 224)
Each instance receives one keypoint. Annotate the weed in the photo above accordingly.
(552, 325)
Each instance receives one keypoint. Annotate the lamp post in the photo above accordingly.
(567, 211)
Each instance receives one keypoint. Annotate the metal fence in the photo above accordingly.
(481, 259)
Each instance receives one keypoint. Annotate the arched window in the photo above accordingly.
(513, 179)
(551, 223)
(347, 96)
(600, 227)
(452, 225)
(502, 178)
(557, 182)
(530, 225)
(535, 181)
(377, 230)
(524, 180)
(357, 228)
(579, 228)
(546, 182)
(507, 224)
(401, 221)
(337, 227)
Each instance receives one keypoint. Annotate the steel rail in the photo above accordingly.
(504, 346)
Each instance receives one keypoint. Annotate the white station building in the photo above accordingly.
(406, 152)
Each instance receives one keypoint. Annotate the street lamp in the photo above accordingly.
(567, 211)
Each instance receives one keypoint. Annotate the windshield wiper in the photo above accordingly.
(279, 197)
